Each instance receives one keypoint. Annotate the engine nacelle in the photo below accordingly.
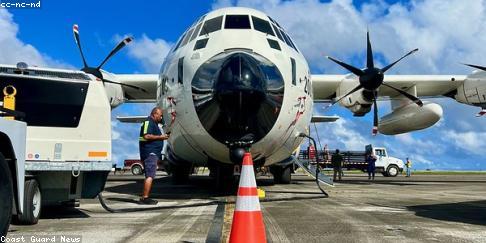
(359, 102)
(114, 92)
(473, 90)
(410, 118)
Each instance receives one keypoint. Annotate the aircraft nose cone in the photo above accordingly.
(238, 94)
(240, 91)
(240, 73)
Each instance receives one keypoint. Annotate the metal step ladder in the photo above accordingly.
(311, 170)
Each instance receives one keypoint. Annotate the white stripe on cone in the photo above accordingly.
(247, 204)
(247, 176)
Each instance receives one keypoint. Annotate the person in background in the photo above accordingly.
(151, 142)
(337, 163)
(370, 160)
(408, 164)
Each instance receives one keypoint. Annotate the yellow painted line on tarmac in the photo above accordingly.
(228, 218)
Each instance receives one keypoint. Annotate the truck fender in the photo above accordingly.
(8, 152)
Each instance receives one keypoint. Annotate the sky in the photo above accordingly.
(446, 33)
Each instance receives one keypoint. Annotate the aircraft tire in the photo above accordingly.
(6, 194)
(180, 174)
(281, 175)
(224, 179)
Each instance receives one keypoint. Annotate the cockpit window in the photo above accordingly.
(273, 21)
(179, 42)
(196, 31)
(212, 25)
(187, 37)
(278, 33)
(289, 41)
(201, 19)
(262, 25)
(237, 22)
(281, 34)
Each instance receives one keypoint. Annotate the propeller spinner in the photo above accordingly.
(371, 78)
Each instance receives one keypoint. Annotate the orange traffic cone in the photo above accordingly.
(247, 223)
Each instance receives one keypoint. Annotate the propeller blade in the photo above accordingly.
(342, 97)
(356, 71)
(409, 96)
(120, 45)
(369, 52)
(127, 85)
(78, 43)
(476, 66)
(375, 117)
(395, 62)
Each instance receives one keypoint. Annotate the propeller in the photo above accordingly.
(476, 66)
(371, 78)
(96, 71)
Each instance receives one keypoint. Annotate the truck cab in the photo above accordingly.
(389, 166)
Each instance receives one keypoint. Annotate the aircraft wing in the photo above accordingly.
(325, 86)
(148, 82)
(132, 119)
(320, 119)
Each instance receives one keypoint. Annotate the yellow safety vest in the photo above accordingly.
(143, 131)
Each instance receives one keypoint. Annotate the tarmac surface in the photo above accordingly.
(423, 208)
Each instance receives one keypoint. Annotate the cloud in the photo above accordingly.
(337, 28)
(14, 50)
(472, 142)
(150, 53)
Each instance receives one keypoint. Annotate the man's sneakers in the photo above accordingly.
(147, 201)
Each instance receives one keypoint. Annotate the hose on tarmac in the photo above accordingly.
(317, 178)
(142, 209)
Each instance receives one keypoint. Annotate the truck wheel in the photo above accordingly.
(6, 193)
(32, 203)
(392, 170)
(137, 170)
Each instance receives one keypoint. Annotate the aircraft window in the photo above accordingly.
(237, 22)
(180, 70)
(278, 33)
(273, 21)
(288, 41)
(201, 19)
(179, 42)
(274, 44)
(294, 71)
(212, 25)
(187, 37)
(262, 25)
(196, 31)
(293, 45)
(200, 44)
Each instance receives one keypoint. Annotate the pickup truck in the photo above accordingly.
(387, 165)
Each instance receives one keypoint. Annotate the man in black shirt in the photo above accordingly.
(151, 142)
(337, 163)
